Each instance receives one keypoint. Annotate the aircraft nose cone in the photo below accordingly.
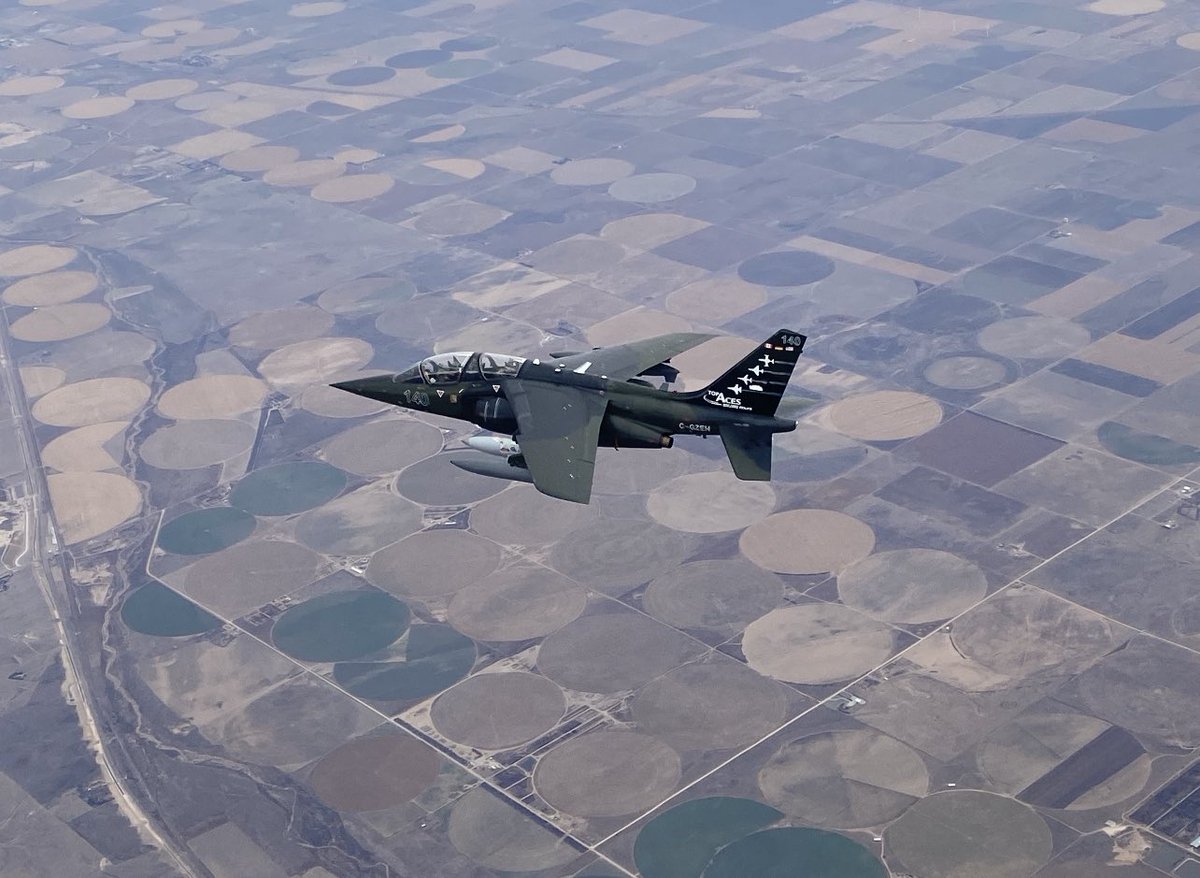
(380, 387)
(357, 386)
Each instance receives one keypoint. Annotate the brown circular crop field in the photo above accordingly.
(91, 402)
(97, 108)
(162, 89)
(1025, 630)
(102, 353)
(883, 415)
(197, 444)
(369, 774)
(844, 780)
(35, 258)
(723, 596)
(716, 300)
(434, 562)
(523, 516)
(87, 449)
(212, 396)
(612, 555)
(498, 710)
(613, 652)
(383, 446)
(970, 834)
(912, 585)
(710, 502)
(462, 218)
(23, 86)
(646, 231)
(1034, 338)
(276, 728)
(250, 574)
(58, 322)
(89, 504)
(354, 156)
(354, 187)
(518, 603)
(40, 380)
(965, 372)
(358, 523)
(436, 481)
(607, 773)
(496, 834)
(320, 359)
(51, 288)
(714, 705)
(807, 541)
(173, 28)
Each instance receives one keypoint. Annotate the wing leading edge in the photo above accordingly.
(558, 428)
(622, 361)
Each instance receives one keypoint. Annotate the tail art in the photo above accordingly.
(757, 383)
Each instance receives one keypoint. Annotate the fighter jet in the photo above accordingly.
(560, 408)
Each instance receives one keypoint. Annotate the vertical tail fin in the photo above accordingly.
(757, 382)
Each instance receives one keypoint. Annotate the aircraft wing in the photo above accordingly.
(558, 428)
(622, 361)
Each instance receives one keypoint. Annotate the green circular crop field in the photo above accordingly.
(436, 657)
(156, 609)
(288, 488)
(791, 851)
(1145, 448)
(681, 841)
(206, 530)
(341, 626)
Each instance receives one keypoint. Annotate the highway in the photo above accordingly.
(43, 557)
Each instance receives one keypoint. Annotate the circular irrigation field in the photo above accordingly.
(340, 626)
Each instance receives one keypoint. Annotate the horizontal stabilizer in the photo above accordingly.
(749, 450)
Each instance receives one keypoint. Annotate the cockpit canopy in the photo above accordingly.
(496, 366)
(467, 366)
(444, 368)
